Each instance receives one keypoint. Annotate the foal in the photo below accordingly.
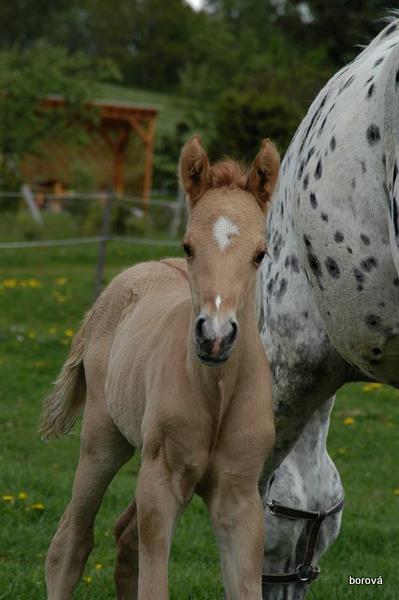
(151, 360)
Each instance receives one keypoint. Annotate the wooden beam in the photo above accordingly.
(148, 165)
(139, 129)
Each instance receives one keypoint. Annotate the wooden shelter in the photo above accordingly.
(108, 150)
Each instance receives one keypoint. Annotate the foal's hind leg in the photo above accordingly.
(127, 562)
(103, 451)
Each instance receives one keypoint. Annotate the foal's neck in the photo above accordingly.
(211, 380)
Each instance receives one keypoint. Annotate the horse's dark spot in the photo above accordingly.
(349, 249)
(365, 239)
(339, 237)
(353, 183)
(313, 200)
(396, 281)
(277, 247)
(319, 169)
(368, 264)
(282, 210)
(324, 217)
(333, 143)
(322, 125)
(313, 261)
(346, 84)
(363, 165)
(294, 263)
(389, 30)
(395, 173)
(397, 78)
(306, 314)
(376, 350)
(281, 289)
(287, 262)
(379, 61)
(373, 134)
(370, 91)
(370, 79)
(395, 217)
(310, 154)
(306, 181)
(332, 267)
(359, 276)
(360, 288)
(373, 321)
(270, 286)
(301, 168)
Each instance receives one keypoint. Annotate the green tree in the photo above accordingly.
(26, 77)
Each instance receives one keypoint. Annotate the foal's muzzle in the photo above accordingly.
(214, 340)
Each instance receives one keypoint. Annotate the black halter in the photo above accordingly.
(305, 572)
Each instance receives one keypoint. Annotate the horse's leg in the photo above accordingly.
(238, 522)
(127, 561)
(103, 451)
(158, 506)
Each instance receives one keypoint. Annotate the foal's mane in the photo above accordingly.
(229, 173)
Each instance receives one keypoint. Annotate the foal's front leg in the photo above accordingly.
(158, 506)
(238, 522)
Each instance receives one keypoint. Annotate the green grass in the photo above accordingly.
(43, 294)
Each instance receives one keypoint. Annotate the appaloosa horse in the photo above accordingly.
(149, 363)
(330, 288)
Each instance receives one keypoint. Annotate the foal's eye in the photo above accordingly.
(259, 257)
(188, 251)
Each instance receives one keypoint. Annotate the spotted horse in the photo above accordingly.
(330, 294)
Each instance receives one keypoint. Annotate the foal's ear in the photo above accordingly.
(194, 170)
(263, 175)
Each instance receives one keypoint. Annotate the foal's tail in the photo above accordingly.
(61, 407)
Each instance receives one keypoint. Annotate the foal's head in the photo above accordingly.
(224, 241)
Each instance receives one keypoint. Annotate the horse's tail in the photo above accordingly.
(62, 406)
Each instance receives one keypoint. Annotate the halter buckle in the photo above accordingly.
(307, 572)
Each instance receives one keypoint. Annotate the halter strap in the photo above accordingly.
(305, 572)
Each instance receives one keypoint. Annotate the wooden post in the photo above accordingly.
(148, 165)
(105, 234)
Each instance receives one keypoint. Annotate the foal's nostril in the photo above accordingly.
(233, 333)
(199, 329)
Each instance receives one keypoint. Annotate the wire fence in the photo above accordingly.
(37, 203)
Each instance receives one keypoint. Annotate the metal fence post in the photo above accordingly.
(105, 237)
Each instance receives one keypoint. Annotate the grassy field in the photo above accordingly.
(43, 295)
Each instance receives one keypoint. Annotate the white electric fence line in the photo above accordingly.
(87, 240)
(92, 197)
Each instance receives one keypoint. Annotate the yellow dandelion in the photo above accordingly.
(348, 421)
(396, 492)
(52, 330)
(68, 332)
(8, 498)
(10, 283)
(98, 566)
(61, 281)
(22, 495)
(87, 579)
(34, 283)
(37, 506)
(31, 335)
(370, 387)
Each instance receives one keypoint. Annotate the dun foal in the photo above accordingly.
(150, 359)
